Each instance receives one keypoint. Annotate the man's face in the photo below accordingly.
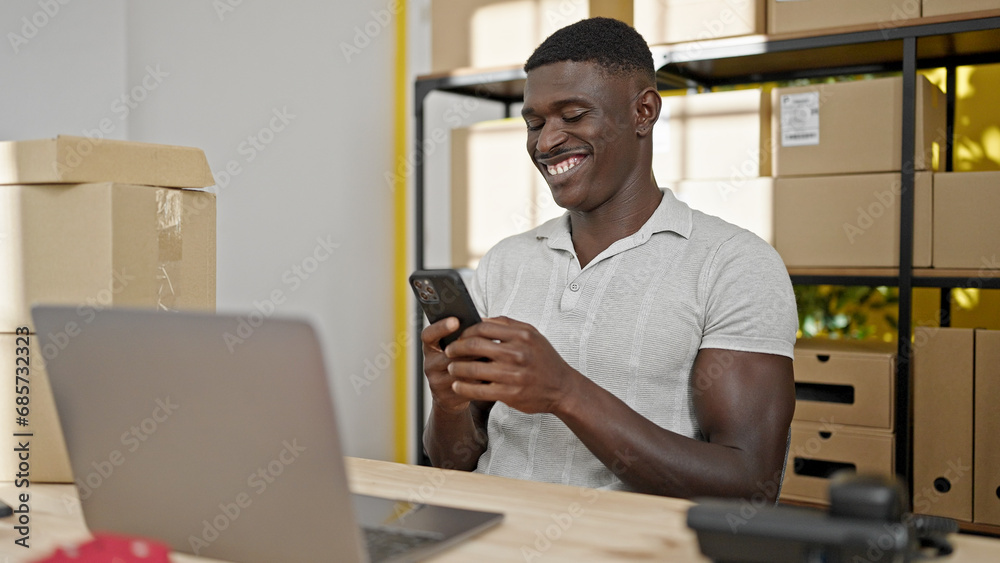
(581, 131)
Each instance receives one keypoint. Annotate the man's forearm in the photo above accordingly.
(456, 440)
(651, 459)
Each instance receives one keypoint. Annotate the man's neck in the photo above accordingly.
(594, 231)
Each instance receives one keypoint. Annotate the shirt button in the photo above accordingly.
(574, 286)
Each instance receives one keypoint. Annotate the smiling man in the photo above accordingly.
(633, 343)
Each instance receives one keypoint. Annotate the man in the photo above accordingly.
(632, 343)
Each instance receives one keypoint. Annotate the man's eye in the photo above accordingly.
(535, 126)
(573, 118)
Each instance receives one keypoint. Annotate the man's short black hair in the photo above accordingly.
(612, 44)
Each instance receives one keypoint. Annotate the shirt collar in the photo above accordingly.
(670, 215)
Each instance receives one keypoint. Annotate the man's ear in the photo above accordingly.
(647, 111)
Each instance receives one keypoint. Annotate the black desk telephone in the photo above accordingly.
(868, 521)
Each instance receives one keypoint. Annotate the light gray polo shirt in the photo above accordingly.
(632, 321)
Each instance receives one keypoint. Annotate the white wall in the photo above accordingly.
(216, 79)
(62, 70)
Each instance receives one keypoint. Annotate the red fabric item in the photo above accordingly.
(109, 548)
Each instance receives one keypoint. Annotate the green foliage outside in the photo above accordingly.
(849, 313)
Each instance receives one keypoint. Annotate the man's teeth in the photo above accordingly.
(565, 165)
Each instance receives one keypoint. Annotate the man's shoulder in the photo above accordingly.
(530, 239)
(714, 232)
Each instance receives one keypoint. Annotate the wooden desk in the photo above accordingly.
(547, 523)
(556, 522)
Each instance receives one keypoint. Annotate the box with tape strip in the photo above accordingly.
(103, 245)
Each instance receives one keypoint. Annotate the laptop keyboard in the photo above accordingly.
(386, 543)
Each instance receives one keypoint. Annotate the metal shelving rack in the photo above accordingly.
(947, 41)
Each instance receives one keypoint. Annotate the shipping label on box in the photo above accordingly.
(105, 245)
(849, 221)
(943, 421)
(854, 127)
(799, 119)
(845, 383)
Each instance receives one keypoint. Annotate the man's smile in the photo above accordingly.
(561, 165)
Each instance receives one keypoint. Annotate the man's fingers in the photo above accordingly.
(498, 328)
(473, 348)
(477, 391)
(435, 332)
(473, 371)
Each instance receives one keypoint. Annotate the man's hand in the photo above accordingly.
(524, 370)
(436, 367)
(455, 435)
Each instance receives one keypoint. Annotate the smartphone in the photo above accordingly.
(443, 294)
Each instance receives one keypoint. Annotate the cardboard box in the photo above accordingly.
(849, 383)
(791, 16)
(942, 421)
(102, 245)
(496, 191)
(853, 127)
(848, 221)
(47, 457)
(942, 7)
(818, 451)
(77, 160)
(716, 135)
(986, 456)
(747, 203)
(676, 21)
(492, 33)
(966, 230)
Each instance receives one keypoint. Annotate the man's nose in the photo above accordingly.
(550, 137)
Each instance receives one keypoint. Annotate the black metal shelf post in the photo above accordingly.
(907, 201)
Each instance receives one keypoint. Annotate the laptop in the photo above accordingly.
(226, 450)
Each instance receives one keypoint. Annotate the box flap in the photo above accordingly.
(75, 160)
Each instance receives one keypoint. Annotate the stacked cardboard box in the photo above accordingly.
(93, 224)
(713, 151)
(942, 7)
(966, 230)
(844, 415)
(956, 429)
(795, 16)
(837, 161)
(494, 33)
(677, 21)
